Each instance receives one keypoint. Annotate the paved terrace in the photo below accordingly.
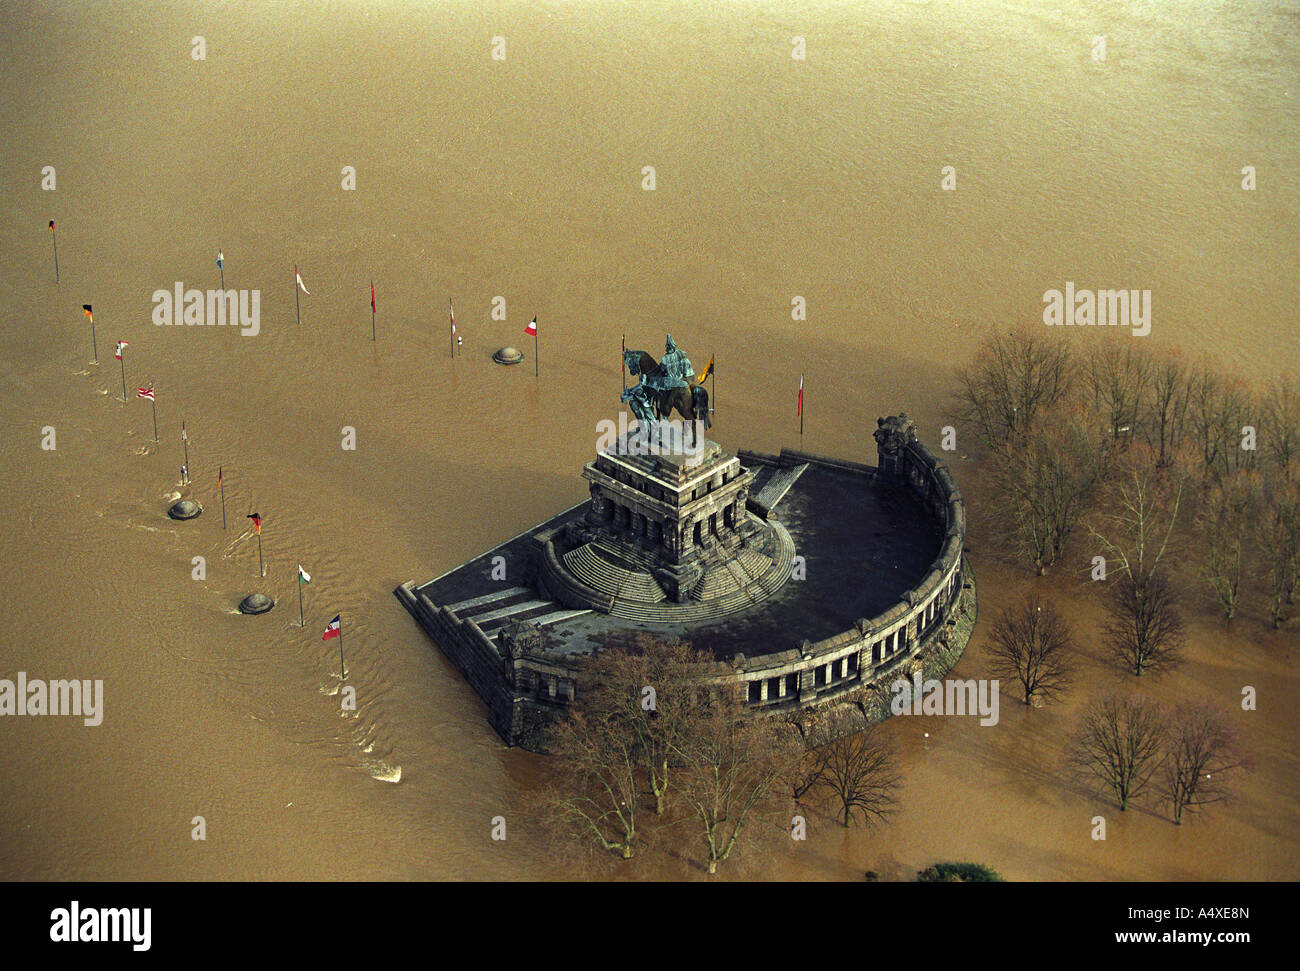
(862, 547)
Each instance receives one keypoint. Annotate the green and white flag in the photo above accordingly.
(303, 575)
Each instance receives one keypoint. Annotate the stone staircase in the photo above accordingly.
(614, 573)
(491, 612)
(730, 582)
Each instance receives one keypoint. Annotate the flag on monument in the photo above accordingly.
(121, 346)
(145, 393)
(333, 629)
(298, 277)
(303, 575)
(85, 309)
(257, 522)
(799, 412)
(531, 329)
(708, 369)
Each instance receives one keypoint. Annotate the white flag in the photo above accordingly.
(300, 283)
(303, 575)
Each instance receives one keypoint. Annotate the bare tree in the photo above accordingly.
(1033, 645)
(1218, 408)
(1014, 377)
(1280, 426)
(1166, 407)
(807, 770)
(862, 774)
(1144, 630)
(1137, 527)
(595, 799)
(1117, 377)
(1201, 754)
(1227, 516)
(1278, 539)
(1046, 482)
(732, 767)
(1119, 744)
(649, 685)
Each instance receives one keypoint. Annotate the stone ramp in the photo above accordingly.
(773, 490)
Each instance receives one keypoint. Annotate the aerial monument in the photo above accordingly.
(812, 581)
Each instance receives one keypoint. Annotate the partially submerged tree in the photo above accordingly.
(1046, 481)
(1118, 744)
(1278, 539)
(1136, 526)
(1016, 375)
(597, 796)
(1117, 377)
(1165, 411)
(1144, 631)
(861, 772)
(731, 770)
(649, 686)
(1034, 646)
(1201, 754)
(1226, 519)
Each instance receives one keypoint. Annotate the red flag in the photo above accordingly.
(531, 329)
(372, 298)
(799, 412)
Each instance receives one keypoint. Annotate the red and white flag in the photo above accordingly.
(146, 393)
(452, 310)
(333, 629)
(121, 345)
(531, 329)
(184, 437)
(298, 277)
(799, 412)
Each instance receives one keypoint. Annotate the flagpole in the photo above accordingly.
(343, 673)
(372, 310)
(297, 309)
(186, 442)
(94, 344)
(261, 570)
(155, 419)
(220, 261)
(801, 411)
(221, 482)
(301, 622)
(622, 368)
(55, 237)
(121, 359)
(535, 364)
(714, 374)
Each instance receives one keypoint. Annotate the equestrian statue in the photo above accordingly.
(666, 386)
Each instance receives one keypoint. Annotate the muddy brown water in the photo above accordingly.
(522, 178)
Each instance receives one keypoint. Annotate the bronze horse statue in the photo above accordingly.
(660, 392)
